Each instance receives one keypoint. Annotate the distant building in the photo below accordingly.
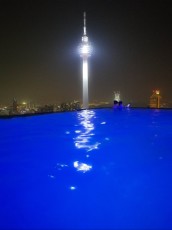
(117, 103)
(155, 99)
(14, 106)
(116, 96)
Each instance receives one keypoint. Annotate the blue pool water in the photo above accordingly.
(95, 169)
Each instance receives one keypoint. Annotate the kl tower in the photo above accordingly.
(85, 52)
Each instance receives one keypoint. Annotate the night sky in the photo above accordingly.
(132, 42)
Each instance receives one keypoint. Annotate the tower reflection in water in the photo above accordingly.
(85, 139)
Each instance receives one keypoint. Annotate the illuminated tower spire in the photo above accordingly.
(85, 31)
(85, 52)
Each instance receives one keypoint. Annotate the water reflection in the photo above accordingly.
(72, 187)
(85, 136)
(84, 139)
(60, 166)
(81, 166)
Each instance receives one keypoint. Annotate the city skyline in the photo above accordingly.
(39, 58)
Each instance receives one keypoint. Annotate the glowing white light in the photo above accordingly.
(77, 131)
(84, 143)
(75, 164)
(85, 49)
(85, 84)
(72, 187)
(103, 123)
(84, 139)
(67, 132)
(81, 166)
(93, 147)
(84, 39)
(85, 70)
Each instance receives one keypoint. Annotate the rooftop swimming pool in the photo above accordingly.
(91, 169)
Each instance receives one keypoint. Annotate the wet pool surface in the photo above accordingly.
(94, 169)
